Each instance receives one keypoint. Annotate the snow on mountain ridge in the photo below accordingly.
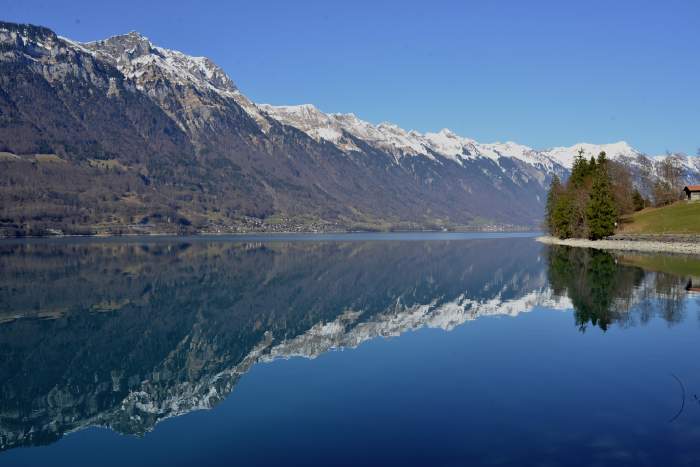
(389, 137)
(565, 154)
(136, 57)
(445, 144)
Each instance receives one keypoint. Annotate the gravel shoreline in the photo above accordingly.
(689, 245)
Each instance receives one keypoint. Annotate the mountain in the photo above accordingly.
(121, 135)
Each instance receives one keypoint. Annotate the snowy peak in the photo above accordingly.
(23, 35)
(311, 121)
(201, 68)
(442, 146)
(142, 62)
(565, 155)
(148, 65)
(402, 142)
(126, 46)
(445, 145)
(133, 52)
(448, 144)
(306, 117)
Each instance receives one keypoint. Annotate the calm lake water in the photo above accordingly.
(405, 349)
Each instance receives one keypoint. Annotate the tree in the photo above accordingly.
(667, 189)
(638, 201)
(619, 174)
(601, 213)
(563, 217)
(555, 190)
(589, 204)
(663, 193)
(580, 170)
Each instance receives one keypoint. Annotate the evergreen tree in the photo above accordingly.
(590, 202)
(601, 212)
(638, 201)
(563, 216)
(579, 170)
(555, 190)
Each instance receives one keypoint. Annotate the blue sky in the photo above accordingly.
(542, 73)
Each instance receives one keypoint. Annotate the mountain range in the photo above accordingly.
(121, 135)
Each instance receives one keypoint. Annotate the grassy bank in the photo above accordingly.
(678, 218)
(673, 264)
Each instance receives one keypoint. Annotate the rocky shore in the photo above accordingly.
(681, 244)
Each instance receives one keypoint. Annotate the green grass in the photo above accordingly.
(678, 218)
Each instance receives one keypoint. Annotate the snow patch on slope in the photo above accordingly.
(135, 56)
(390, 138)
(565, 155)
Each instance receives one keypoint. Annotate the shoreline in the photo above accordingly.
(263, 233)
(628, 244)
(271, 236)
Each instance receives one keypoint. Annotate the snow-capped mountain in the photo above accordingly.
(565, 155)
(140, 61)
(446, 145)
(340, 129)
(129, 118)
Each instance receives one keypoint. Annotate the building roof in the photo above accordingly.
(692, 188)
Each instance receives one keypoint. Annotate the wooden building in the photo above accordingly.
(692, 192)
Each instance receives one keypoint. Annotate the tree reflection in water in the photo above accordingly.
(606, 289)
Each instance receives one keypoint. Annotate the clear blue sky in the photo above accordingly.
(542, 73)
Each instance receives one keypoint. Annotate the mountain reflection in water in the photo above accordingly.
(124, 335)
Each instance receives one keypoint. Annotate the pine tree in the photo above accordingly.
(601, 212)
(555, 190)
(563, 216)
(579, 170)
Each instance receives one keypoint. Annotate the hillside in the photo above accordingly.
(145, 139)
(123, 136)
(678, 218)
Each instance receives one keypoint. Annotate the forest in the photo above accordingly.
(593, 202)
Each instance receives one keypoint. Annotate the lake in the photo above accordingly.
(357, 349)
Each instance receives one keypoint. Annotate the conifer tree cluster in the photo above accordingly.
(587, 205)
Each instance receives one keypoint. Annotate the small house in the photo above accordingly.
(692, 192)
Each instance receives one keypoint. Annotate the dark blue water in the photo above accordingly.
(471, 350)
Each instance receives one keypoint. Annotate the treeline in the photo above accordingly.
(592, 201)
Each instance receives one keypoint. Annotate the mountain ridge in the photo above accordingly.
(146, 139)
